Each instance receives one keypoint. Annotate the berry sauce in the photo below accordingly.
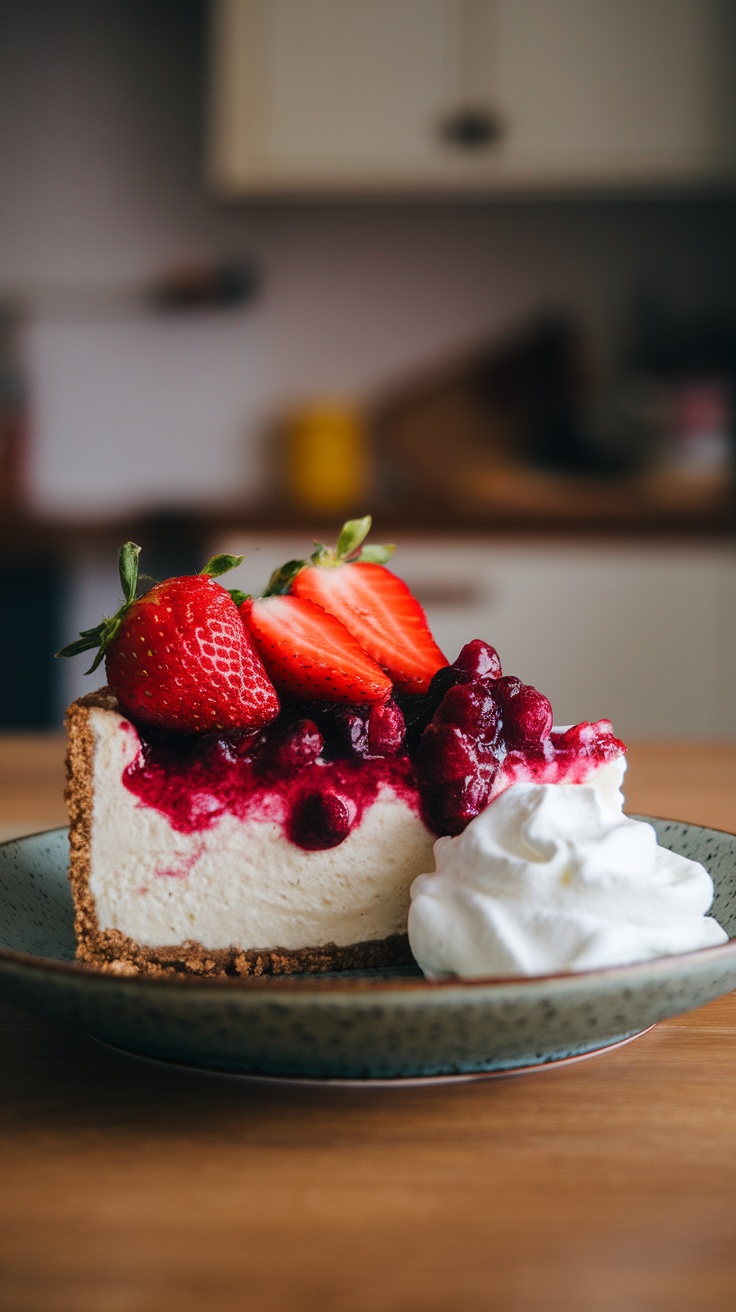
(317, 767)
(317, 801)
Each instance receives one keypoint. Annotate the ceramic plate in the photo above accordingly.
(379, 1026)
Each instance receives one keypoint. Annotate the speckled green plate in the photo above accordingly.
(373, 1026)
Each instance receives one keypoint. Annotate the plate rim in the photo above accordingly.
(325, 984)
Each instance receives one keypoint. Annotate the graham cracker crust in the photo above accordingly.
(115, 953)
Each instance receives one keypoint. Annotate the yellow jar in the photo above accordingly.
(327, 457)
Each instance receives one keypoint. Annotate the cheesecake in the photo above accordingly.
(202, 857)
(262, 780)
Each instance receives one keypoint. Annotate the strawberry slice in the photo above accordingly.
(309, 653)
(381, 613)
(178, 657)
(352, 584)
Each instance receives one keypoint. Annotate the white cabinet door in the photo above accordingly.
(613, 90)
(642, 635)
(323, 94)
(354, 96)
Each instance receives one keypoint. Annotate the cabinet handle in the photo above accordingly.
(472, 128)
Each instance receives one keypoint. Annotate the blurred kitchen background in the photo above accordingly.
(469, 265)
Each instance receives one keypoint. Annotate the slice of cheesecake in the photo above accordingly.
(265, 777)
(219, 856)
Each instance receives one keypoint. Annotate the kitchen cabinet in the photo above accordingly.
(643, 634)
(469, 96)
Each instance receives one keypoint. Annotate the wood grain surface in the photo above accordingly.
(608, 1186)
(31, 783)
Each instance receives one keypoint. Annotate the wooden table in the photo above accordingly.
(603, 1187)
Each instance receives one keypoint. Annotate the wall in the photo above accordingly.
(101, 167)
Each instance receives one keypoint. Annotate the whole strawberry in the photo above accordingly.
(178, 657)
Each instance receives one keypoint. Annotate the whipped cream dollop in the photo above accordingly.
(553, 877)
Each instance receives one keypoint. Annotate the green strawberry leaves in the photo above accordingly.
(350, 546)
(349, 550)
(101, 636)
(87, 639)
(220, 565)
(376, 555)
(128, 569)
(352, 535)
(104, 633)
(282, 578)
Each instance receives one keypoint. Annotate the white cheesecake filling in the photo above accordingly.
(241, 883)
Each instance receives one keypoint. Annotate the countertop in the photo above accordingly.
(25, 537)
(606, 1186)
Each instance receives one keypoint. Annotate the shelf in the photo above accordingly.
(25, 537)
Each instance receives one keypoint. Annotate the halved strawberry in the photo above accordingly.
(309, 653)
(352, 584)
(178, 657)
